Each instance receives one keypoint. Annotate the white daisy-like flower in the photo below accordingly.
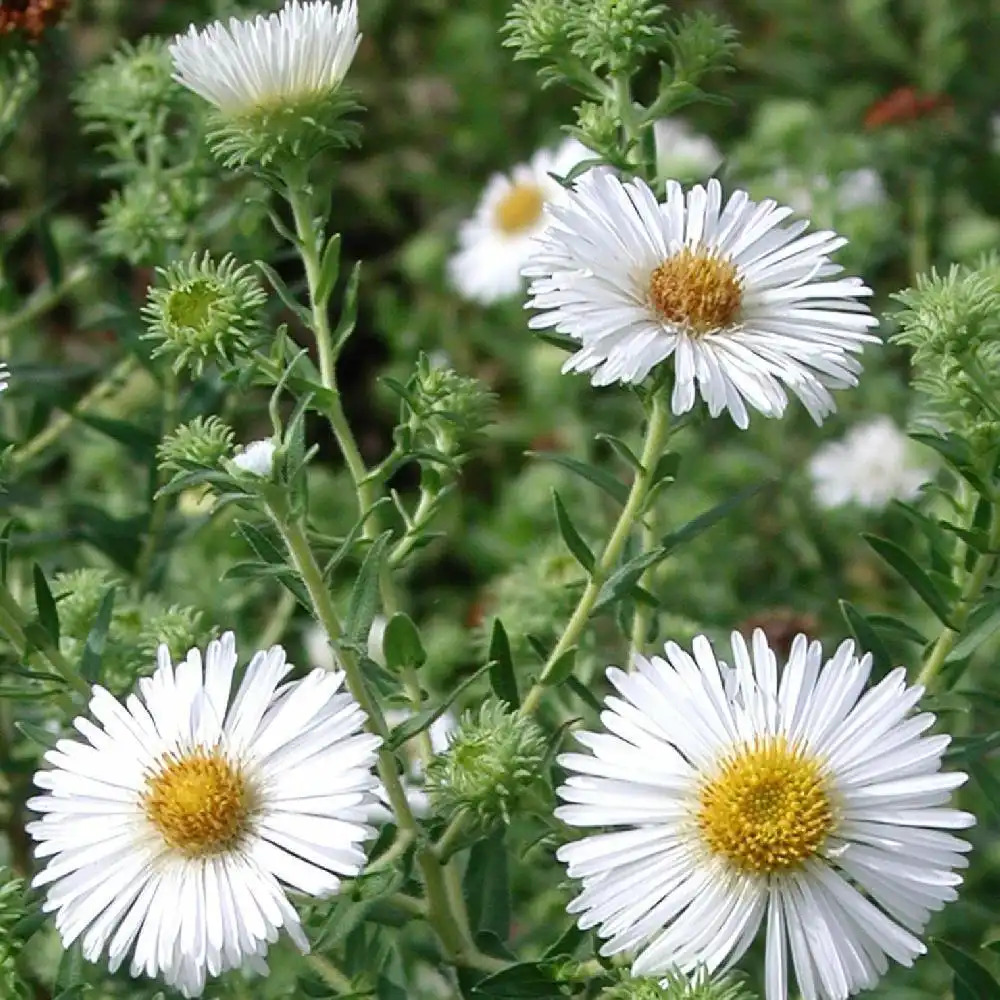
(747, 306)
(873, 464)
(496, 242)
(4, 376)
(257, 458)
(171, 829)
(682, 152)
(298, 54)
(741, 796)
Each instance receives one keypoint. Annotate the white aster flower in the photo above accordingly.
(873, 464)
(172, 828)
(745, 796)
(4, 377)
(746, 306)
(257, 458)
(296, 55)
(495, 243)
(682, 152)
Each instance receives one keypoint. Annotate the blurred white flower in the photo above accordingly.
(171, 829)
(850, 191)
(298, 54)
(861, 188)
(257, 458)
(722, 799)
(873, 464)
(495, 243)
(376, 636)
(683, 153)
(746, 305)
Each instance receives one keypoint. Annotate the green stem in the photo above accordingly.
(43, 300)
(657, 433)
(422, 516)
(57, 428)
(921, 212)
(643, 612)
(161, 503)
(331, 975)
(974, 585)
(448, 926)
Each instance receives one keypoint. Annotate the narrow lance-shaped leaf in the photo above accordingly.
(48, 614)
(905, 565)
(93, 650)
(364, 598)
(503, 680)
(572, 538)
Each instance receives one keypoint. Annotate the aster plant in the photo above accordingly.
(616, 612)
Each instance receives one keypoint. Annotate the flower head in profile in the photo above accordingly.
(735, 797)
(748, 307)
(496, 242)
(173, 827)
(275, 79)
(256, 458)
(873, 464)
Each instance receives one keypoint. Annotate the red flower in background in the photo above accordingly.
(904, 104)
(32, 17)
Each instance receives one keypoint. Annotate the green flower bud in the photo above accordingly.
(177, 627)
(201, 443)
(597, 127)
(18, 84)
(616, 35)
(134, 87)
(146, 217)
(448, 411)
(493, 764)
(78, 594)
(537, 29)
(200, 311)
(678, 986)
(701, 43)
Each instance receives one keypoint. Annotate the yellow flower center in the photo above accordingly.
(200, 802)
(697, 290)
(767, 809)
(519, 209)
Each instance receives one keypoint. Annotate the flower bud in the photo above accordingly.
(493, 764)
(678, 986)
(200, 311)
(201, 443)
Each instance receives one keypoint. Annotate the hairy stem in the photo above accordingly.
(657, 432)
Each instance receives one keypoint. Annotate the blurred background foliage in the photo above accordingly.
(907, 88)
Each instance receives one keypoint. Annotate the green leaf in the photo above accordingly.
(503, 680)
(896, 628)
(285, 294)
(584, 694)
(48, 614)
(364, 598)
(37, 735)
(486, 886)
(622, 449)
(329, 268)
(348, 310)
(264, 548)
(988, 784)
(977, 980)
(523, 980)
(710, 518)
(140, 441)
(957, 454)
(93, 650)
(419, 721)
(599, 477)
(622, 582)
(983, 624)
(574, 542)
(5, 537)
(401, 643)
(562, 668)
(867, 637)
(567, 943)
(905, 565)
(560, 340)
